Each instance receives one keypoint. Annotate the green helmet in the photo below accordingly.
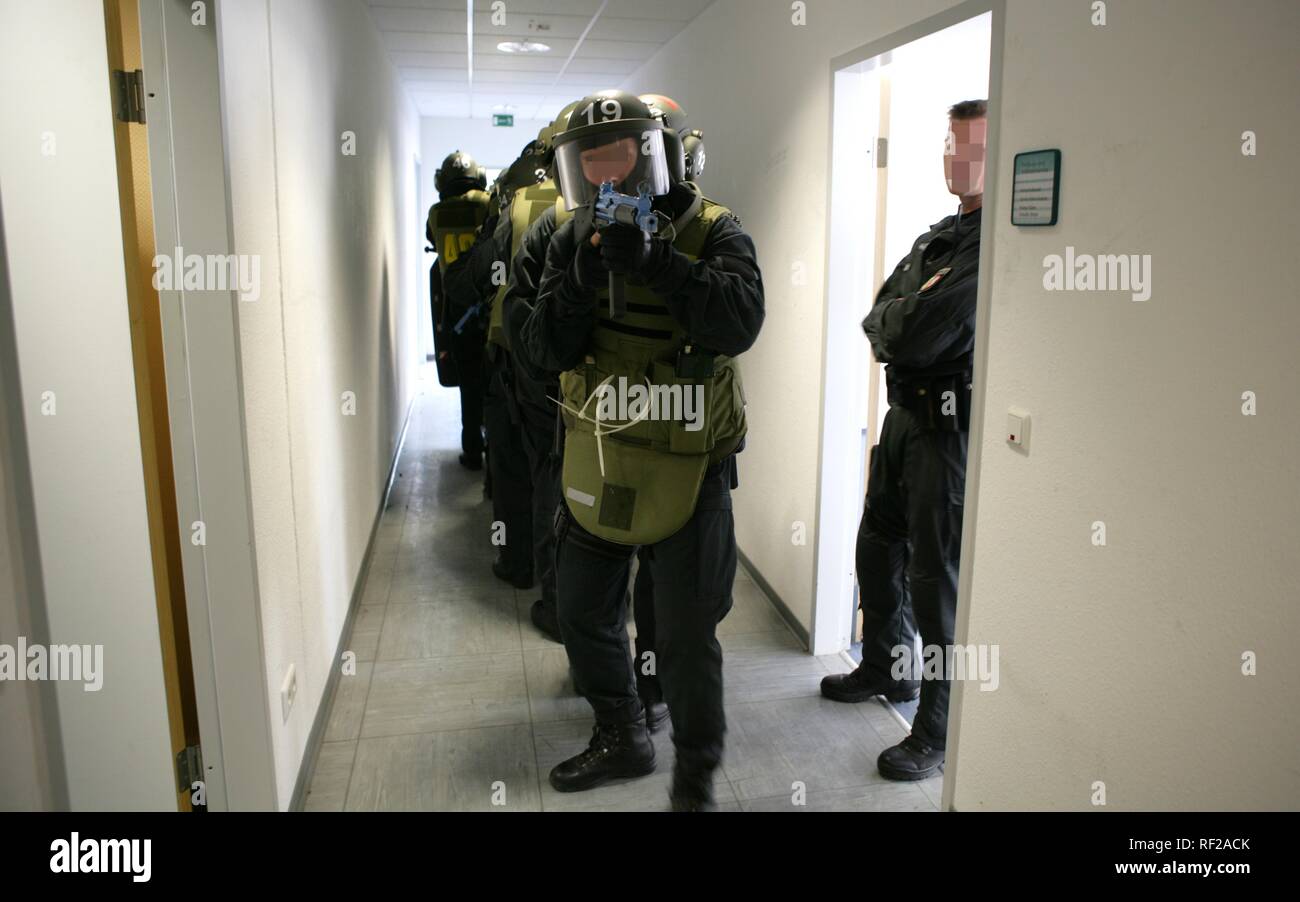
(458, 174)
(693, 151)
(611, 136)
(557, 125)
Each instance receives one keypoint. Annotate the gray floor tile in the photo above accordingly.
(452, 625)
(877, 797)
(817, 743)
(446, 694)
(550, 687)
(486, 769)
(764, 666)
(349, 705)
(329, 783)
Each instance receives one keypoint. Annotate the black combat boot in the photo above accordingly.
(616, 751)
(692, 790)
(471, 461)
(912, 759)
(860, 685)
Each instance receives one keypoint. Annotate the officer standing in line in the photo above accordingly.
(541, 421)
(922, 326)
(462, 208)
(693, 301)
(477, 279)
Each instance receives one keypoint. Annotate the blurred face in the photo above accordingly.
(612, 162)
(963, 156)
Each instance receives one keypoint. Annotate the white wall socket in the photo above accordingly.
(288, 692)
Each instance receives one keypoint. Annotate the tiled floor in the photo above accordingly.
(460, 704)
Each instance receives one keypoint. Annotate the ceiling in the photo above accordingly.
(608, 40)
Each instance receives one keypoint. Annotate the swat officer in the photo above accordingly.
(475, 280)
(692, 301)
(922, 326)
(462, 207)
(537, 388)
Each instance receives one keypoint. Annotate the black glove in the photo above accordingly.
(587, 271)
(624, 248)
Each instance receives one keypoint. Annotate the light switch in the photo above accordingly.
(1018, 427)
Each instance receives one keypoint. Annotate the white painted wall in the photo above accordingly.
(338, 239)
(1119, 664)
(1122, 664)
(64, 255)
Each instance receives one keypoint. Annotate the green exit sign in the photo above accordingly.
(504, 119)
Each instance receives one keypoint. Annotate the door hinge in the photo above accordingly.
(130, 95)
(189, 767)
(882, 153)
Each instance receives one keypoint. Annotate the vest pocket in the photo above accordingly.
(685, 409)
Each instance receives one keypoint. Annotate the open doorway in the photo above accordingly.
(887, 187)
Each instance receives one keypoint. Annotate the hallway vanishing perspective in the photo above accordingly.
(455, 689)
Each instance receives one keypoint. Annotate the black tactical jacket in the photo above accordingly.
(717, 299)
(922, 324)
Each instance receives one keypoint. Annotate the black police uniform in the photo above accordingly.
(718, 300)
(469, 281)
(922, 326)
(543, 439)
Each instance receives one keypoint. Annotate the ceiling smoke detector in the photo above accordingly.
(523, 47)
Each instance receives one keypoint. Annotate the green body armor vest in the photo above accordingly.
(527, 205)
(453, 225)
(639, 484)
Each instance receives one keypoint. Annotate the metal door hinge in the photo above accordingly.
(882, 153)
(130, 95)
(189, 767)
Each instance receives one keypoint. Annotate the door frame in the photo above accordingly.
(827, 620)
(185, 109)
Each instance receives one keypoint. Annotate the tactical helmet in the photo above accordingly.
(672, 115)
(557, 125)
(458, 174)
(611, 136)
(528, 169)
(693, 151)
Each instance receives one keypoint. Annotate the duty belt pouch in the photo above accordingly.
(943, 404)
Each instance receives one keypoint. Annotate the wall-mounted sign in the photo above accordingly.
(504, 119)
(1035, 192)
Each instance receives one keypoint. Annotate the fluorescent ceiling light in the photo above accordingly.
(523, 47)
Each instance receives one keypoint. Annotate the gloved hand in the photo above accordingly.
(624, 248)
(587, 270)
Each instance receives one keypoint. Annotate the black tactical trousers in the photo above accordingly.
(512, 484)
(544, 465)
(693, 571)
(909, 546)
(467, 349)
(643, 614)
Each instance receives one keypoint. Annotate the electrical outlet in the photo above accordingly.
(288, 692)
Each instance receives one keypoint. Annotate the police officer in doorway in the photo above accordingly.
(668, 307)
(453, 222)
(922, 327)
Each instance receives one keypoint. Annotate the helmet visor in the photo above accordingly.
(631, 158)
